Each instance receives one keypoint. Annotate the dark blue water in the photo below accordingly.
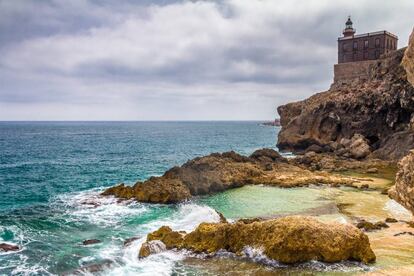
(51, 171)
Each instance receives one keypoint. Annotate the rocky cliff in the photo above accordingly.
(408, 60)
(357, 118)
(403, 190)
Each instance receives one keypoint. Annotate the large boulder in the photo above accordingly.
(380, 109)
(403, 190)
(408, 60)
(289, 239)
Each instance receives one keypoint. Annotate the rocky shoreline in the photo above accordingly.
(218, 172)
(354, 129)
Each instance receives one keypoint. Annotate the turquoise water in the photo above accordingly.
(50, 172)
(51, 175)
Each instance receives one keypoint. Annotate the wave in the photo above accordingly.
(90, 206)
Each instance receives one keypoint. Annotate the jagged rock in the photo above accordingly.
(403, 190)
(92, 241)
(359, 147)
(380, 109)
(170, 238)
(408, 60)
(218, 172)
(6, 247)
(288, 239)
(151, 247)
(222, 217)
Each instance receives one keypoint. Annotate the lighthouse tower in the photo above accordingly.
(349, 30)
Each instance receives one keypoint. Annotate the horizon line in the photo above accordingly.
(201, 120)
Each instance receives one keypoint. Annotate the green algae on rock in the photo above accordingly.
(288, 240)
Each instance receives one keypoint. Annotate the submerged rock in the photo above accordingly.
(151, 247)
(222, 171)
(369, 226)
(91, 241)
(91, 268)
(391, 220)
(6, 247)
(129, 241)
(289, 239)
(379, 112)
(403, 190)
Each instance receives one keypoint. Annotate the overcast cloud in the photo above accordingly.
(174, 60)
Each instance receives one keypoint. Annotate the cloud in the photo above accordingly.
(235, 59)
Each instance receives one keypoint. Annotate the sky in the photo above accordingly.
(175, 60)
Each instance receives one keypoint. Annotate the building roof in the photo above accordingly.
(368, 34)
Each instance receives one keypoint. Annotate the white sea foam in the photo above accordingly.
(187, 218)
(105, 211)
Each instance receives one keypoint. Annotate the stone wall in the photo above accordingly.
(345, 72)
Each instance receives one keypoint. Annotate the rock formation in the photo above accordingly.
(6, 247)
(151, 247)
(408, 60)
(221, 171)
(359, 118)
(403, 190)
(288, 240)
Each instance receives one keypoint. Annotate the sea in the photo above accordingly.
(52, 174)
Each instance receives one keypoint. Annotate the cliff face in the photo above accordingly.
(408, 60)
(359, 118)
(403, 190)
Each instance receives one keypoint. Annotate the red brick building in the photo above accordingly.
(369, 46)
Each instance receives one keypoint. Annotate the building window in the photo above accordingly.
(377, 42)
(355, 45)
(388, 43)
(365, 55)
(377, 54)
(344, 47)
(344, 58)
(366, 44)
